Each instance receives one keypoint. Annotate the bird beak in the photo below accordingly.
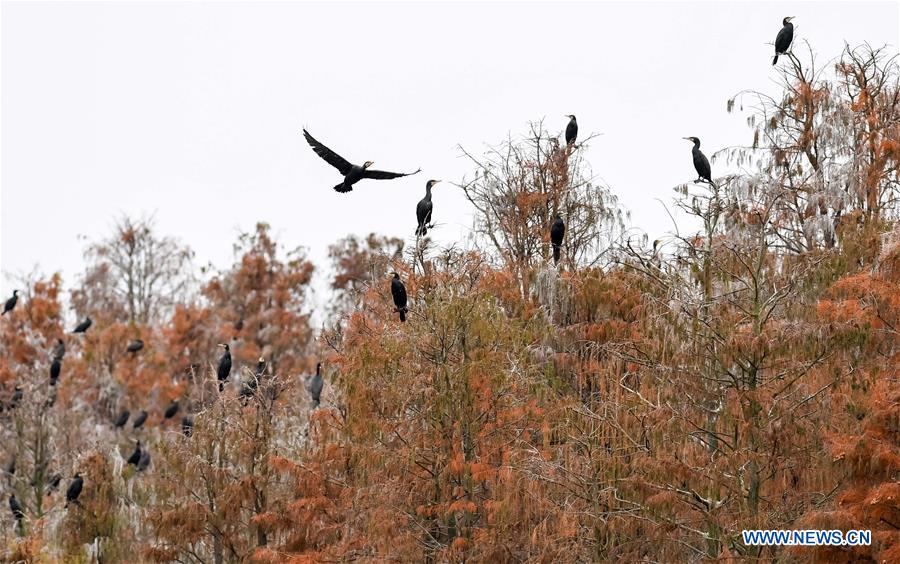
(221, 345)
(790, 18)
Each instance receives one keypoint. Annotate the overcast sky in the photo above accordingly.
(193, 111)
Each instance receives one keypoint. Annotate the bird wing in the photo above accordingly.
(783, 39)
(384, 175)
(328, 155)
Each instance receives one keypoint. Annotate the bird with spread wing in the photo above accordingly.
(352, 173)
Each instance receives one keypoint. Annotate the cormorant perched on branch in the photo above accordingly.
(171, 410)
(74, 490)
(315, 386)
(144, 462)
(123, 418)
(701, 163)
(784, 38)
(59, 351)
(423, 210)
(571, 130)
(398, 291)
(136, 455)
(55, 368)
(224, 366)
(135, 345)
(557, 232)
(11, 303)
(83, 326)
(16, 397)
(139, 420)
(16, 509)
(187, 425)
(352, 173)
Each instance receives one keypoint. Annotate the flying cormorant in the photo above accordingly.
(135, 345)
(352, 173)
(83, 326)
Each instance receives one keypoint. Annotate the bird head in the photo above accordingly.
(694, 140)
(787, 20)
(571, 116)
(15, 293)
(395, 275)
(431, 183)
(225, 346)
(367, 164)
(261, 360)
(318, 367)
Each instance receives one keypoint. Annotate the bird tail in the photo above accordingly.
(555, 254)
(221, 386)
(342, 188)
(403, 314)
(421, 230)
(775, 60)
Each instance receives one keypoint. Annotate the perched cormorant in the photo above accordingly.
(423, 210)
(571, 130)
(136, 455)
(16, 509)
(135, 345)
(187, 425)
(171, 410)
(53, 482)
(352, 173)
(701, 163)
(557, 232)
(83, 326)
(224, 366)
(74, 490)
(315, 386)
(59, 350)
(260, 368)
(11, 303)
(144, 462)
(398, 291)
(139, 420)
(16, 397)
(55, 368)
(784, 38)
(123, 418)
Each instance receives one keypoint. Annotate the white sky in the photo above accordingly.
(193, 111)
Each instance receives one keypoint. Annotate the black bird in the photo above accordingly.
(59, 350)
(123, 418)
(260, 368)
(53, 482)
(144, 462)
(187, 425)
(135, 345)
(11, 303)
(571, 130)
(251, 384)
(701, 163)
(557, 232)
(352, 173)
(315, 386)
(136, 455)
(139, 420)
(83, 326)
(74, 490)
(784, 38)
(398, 291)
(171, 410)
(423, 210)
(55, 368)
(224, 366)
(16, 397)
(16, 509)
